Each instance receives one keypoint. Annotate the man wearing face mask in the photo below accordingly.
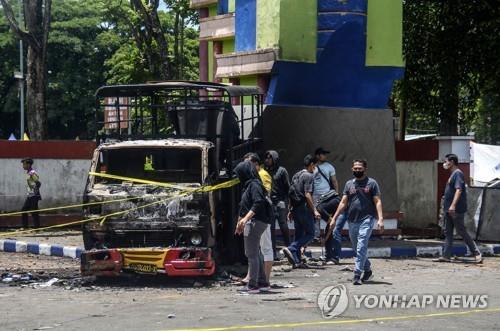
(361, 197)
(454, 208)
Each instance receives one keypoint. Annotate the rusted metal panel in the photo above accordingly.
(47, 149)
(174, 262)
(418, 150)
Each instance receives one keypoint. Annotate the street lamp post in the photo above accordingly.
(20, 74)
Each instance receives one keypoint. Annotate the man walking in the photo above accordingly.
(302, 210)
(361, 197)
(325, 180)
(454, 208)
(33, 193)
(279, 197)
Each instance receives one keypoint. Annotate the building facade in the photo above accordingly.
(326, 68)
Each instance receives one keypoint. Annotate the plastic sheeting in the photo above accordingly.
(486, 163)
(482, 220)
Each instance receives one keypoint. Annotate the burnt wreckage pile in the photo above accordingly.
(185, 134)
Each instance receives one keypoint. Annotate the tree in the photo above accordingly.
(150, 34)
(450, 49)
(91, 43)
(80, 42)
(132, 61)
(37, 18)
(184, 17)
(9, 99)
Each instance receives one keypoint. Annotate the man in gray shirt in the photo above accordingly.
(454, 208)
(361, 197)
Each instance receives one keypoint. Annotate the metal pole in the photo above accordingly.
(21, 67)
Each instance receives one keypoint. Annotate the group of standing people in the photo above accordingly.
(313, 195)
(269, 197)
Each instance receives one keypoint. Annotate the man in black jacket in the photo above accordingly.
(253, 221)
(279, 197)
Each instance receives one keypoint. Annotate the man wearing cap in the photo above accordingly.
(325, 180)
(33, 193)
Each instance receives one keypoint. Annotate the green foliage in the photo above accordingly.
(91, 43)
(452, 67)
(9, 99)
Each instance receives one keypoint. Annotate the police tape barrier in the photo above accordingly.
(208, 188)
(205, 188)
(70, 206)
(136, 180)
(128, 179)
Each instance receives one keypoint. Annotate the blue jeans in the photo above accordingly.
(360, 233)
(304, 230)
(333, 246)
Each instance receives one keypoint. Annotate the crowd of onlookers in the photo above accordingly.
(269, 197)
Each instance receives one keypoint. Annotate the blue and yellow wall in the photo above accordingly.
(334, 53)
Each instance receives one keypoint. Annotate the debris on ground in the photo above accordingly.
(280, 285)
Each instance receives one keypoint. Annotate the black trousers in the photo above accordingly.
(31, 204)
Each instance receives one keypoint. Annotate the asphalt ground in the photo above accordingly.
(159, 303)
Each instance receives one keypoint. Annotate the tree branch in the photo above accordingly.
(46, 27)
(14, 26)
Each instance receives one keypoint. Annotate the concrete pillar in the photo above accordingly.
(203, 51)
(218, 49)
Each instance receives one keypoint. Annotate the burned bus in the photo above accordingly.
(162, 149)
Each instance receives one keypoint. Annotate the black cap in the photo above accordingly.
(27, 160)
(321, 150)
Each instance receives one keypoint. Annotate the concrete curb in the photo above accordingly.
(411, 251)
(15, 246)
(74, 252)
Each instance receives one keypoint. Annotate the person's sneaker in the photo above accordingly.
(289, 256)
(356, 280)
(367, 275)
(249, 289)
(264, 287)
(442, 259)
(332, 262)
(302, 265)
(478, 258)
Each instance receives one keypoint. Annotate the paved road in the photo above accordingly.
(171, 305)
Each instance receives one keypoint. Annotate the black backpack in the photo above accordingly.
(294, 194)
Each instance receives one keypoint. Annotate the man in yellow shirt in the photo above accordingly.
(33, 193)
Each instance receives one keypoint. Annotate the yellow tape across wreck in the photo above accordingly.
(70, 206)
(186, 192)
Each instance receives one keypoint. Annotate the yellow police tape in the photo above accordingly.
(136, 180)
(206, 188)
(186, 192)
(70, 206)
(226, 184)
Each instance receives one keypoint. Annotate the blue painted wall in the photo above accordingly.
(245, 24)
(345, 5)
(340, 77)
(223, 7)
